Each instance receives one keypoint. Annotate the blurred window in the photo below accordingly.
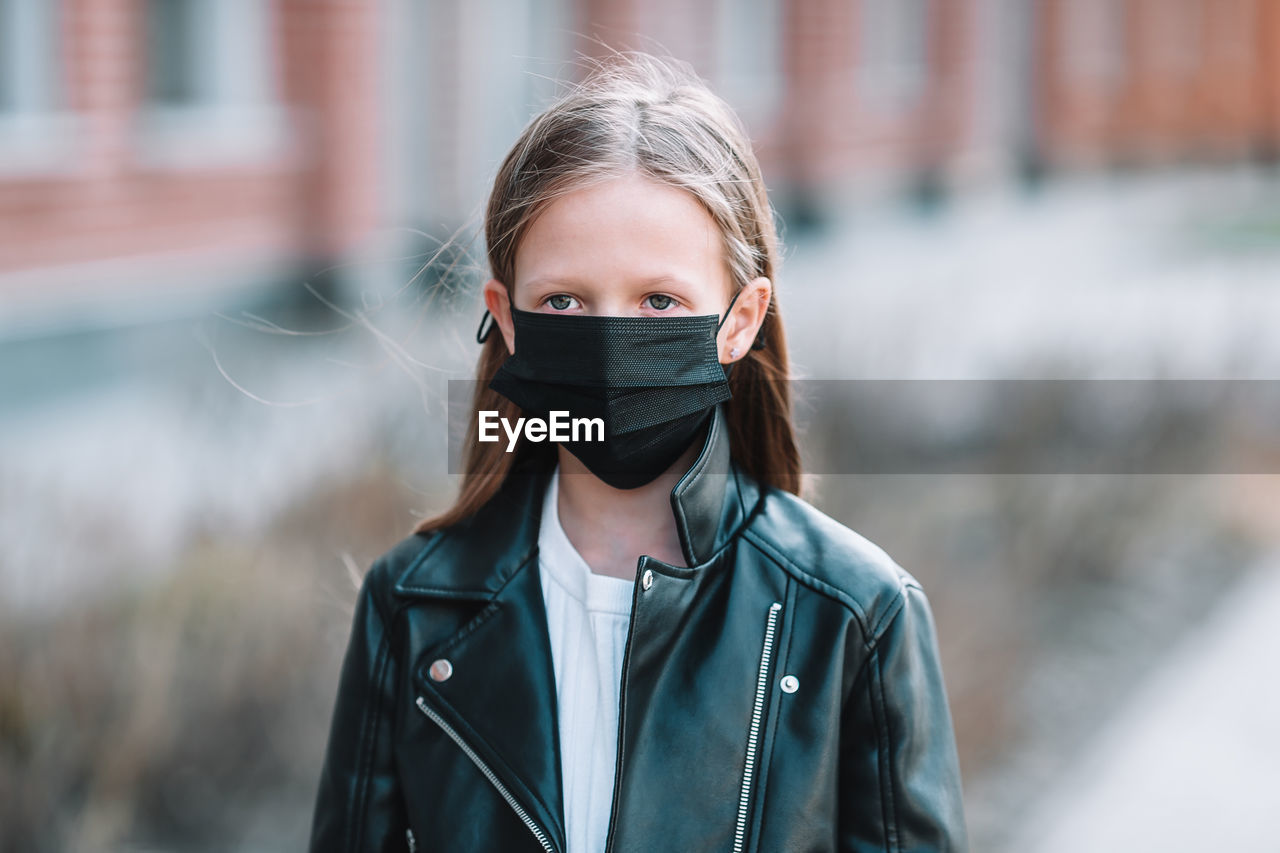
(29, 56)
(174, 68)
(208, 52)
(893, 51)
(210, 88)
(37, 134)
(749, 57)
(467, 88)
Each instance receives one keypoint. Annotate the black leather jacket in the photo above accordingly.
(782, 693)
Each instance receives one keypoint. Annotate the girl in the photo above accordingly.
(637, 637)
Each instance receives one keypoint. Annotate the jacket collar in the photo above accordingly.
(475, 558)
(713, 498)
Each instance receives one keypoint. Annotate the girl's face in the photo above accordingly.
(629, 246)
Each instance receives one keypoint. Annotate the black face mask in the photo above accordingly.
(654, 381)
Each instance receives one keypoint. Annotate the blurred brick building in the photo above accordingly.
(850, 97)
(164, 148)
(1140, 81)
(842, 97)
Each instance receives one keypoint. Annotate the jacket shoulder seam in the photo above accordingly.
(804, 577)
(875, 687)
(888, 804)
(892, 610)
(871, 634)
(398, 581)
(370, 724)
(873, 642)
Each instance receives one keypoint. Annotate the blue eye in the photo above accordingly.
(561, 302)
(660, 301)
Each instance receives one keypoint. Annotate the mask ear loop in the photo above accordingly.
(755, 344)
(482, 333)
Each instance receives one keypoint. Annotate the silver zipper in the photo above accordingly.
(489, 774)
(762, 683)
(413, 843)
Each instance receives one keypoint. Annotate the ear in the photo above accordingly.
(498, 301)
(744, 320)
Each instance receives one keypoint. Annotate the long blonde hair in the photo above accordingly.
(638, 113)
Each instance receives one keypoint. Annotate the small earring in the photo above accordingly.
(733, 353)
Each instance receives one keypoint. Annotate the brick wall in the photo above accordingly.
(1191, 79)
(309, 188)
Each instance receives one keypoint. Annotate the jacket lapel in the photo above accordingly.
(500, 696)
(500, 693)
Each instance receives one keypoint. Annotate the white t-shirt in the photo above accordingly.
(587, 617)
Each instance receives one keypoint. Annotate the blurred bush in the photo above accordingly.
(190, 713)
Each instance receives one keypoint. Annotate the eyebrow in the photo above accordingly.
(665, 278)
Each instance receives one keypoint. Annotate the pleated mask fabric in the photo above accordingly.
(653, 381)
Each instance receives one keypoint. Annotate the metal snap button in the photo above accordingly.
(646, 580)
(790, 684)
(441, 669)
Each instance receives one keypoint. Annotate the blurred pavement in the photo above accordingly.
(1190, 763)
